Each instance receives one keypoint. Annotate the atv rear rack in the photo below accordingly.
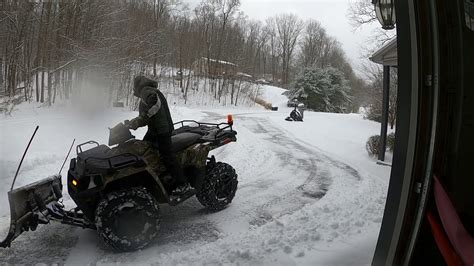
(217, 125)
(221, 133)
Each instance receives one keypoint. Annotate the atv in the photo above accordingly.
(118, 190)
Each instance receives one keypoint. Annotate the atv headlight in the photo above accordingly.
(74, 182)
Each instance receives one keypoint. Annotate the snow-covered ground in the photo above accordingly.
(308, 192)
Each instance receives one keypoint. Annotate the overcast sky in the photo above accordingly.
(331, 13)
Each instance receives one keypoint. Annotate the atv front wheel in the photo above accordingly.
(219, 186)
(128, 220)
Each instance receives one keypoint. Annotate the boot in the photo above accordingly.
(181, 193)
(182, 190)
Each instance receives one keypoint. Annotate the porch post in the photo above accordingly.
(385, 106)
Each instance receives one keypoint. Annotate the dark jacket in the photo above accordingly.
(153, 109)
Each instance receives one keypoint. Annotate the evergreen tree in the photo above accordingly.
(322, 90)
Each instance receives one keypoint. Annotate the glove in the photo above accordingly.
(127, 123)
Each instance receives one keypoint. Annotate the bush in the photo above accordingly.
(372, 145)
(374, 113)
(391, 141)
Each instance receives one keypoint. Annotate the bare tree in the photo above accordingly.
(273, 47)
(226, 10)
(288, 27)
(52, 47)
(318, 49)
(362, 12)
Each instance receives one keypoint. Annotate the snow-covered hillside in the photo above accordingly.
(273, 95)
(308, 192)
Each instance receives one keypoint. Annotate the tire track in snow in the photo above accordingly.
(298, 175)
(282, 224)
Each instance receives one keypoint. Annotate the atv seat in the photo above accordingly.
(181, 141)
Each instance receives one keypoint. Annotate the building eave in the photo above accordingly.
(387, 55)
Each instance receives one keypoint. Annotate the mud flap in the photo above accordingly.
(30, 204)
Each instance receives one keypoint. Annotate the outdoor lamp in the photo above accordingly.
(385, 11)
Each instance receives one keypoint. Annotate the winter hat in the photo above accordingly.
(140, 82)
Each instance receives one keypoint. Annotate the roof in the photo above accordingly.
(218, 61)
(243, 75)
(263, 81)
(387, 55)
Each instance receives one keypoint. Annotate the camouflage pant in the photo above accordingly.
(168, 156)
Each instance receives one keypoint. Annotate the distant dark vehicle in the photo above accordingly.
(117, 190)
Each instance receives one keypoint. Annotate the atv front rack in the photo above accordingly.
(79, 147)
(117, 161)
(38, 203)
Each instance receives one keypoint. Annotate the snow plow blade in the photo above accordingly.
(31, 205)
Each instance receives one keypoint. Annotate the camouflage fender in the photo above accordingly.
(195, 155)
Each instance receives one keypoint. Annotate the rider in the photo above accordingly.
(297, 113)
(154, 113)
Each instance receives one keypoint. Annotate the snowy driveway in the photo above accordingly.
(275, 215)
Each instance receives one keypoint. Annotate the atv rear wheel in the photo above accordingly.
(219, 186)
(128, 220)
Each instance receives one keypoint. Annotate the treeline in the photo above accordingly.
(48, 47)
